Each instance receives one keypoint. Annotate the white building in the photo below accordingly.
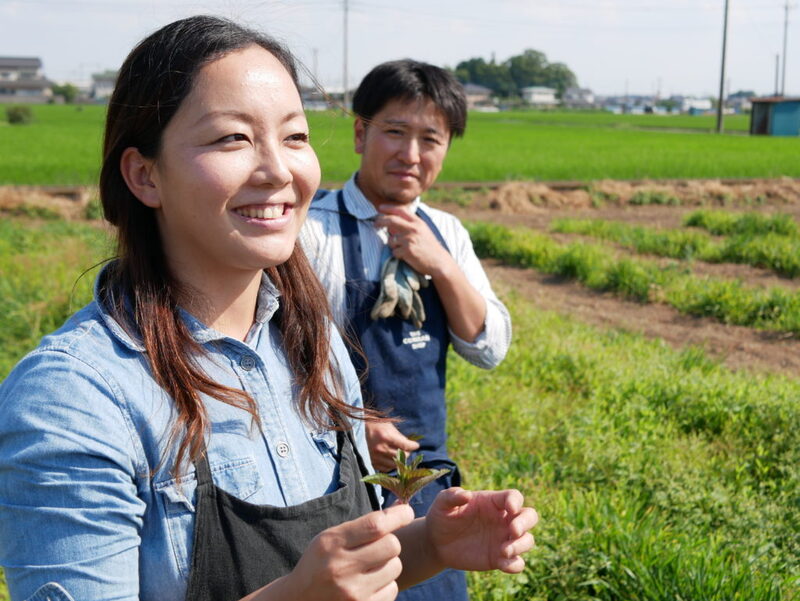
(539, 96)
(22, 81)
(690, 104)
(103, 85)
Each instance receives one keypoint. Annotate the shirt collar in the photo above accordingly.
(266, 306)
(359, 205)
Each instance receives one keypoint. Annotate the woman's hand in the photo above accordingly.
(480, 530)
(354, 560)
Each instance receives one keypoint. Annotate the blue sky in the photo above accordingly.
(613, 46)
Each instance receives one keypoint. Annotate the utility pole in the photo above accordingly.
(777, 73)
(721, 100)
(346, 93)
(315, 66)
(785, 35)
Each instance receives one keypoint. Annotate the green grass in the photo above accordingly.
(40, 265)
(700, 123)
(658, 474)
(62, 146)
(597, 267)
(753, 242)
(726, 223)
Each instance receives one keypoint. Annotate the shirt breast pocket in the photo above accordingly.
(177, 497)
(327, 445)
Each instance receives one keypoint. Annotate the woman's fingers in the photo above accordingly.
(375, 525)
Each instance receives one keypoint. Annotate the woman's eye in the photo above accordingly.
(298, 137)
(233, 138)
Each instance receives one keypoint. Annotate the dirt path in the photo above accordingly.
(737, 347)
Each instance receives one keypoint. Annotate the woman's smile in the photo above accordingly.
(274, 216)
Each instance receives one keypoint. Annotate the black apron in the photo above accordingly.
(240, 547)
(406, 379)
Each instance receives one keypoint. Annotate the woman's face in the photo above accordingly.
(235, 172)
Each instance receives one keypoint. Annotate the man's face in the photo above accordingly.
(402, 150)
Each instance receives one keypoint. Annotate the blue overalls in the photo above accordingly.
(405, 379)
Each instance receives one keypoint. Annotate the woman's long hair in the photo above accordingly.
(153, 81)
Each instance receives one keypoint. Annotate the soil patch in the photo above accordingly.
(524, 198)
(535, 205)
(736, 347)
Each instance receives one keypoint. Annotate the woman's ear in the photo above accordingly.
(359, 134)
(137, 171)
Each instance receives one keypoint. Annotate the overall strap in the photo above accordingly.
(429, 222)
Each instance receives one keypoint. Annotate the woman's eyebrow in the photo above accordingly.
(244, 116)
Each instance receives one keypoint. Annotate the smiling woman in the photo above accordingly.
(197, 431)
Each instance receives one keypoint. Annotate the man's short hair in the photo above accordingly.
(408, 79)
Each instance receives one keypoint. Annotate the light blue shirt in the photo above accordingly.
(87, 498)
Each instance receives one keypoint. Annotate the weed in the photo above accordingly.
(653, 197)
(19, 114)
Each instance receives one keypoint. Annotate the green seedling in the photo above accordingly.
(410, 479)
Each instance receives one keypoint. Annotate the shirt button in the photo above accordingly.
(282, 448)
(247, 362)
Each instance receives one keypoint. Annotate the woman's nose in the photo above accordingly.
(272, 168)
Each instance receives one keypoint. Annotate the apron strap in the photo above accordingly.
(203, 470)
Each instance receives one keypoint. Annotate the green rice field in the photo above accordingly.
(62, 147)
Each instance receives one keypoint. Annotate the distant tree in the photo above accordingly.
(530, 68)
(670, 104)
(68, 92)
(560, 77)
(491, 75)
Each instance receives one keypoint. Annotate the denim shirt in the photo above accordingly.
(89, 506)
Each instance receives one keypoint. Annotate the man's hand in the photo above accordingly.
(383, 440)
(481, 530)
(411, 240)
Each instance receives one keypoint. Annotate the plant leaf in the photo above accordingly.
(386, 481)
(421, 479)
(409, 480)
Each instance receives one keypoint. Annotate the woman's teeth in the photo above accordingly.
(268, 212)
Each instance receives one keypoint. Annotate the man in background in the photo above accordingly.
(402, 277)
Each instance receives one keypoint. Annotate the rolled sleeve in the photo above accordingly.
(70, 516)
(490, 347)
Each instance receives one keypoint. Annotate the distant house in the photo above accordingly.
(103, 85)
(696, 106)
(21, 81)
(539, 96)
(740, 101)
(775, 116)
(578, 98)
(478, 97)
